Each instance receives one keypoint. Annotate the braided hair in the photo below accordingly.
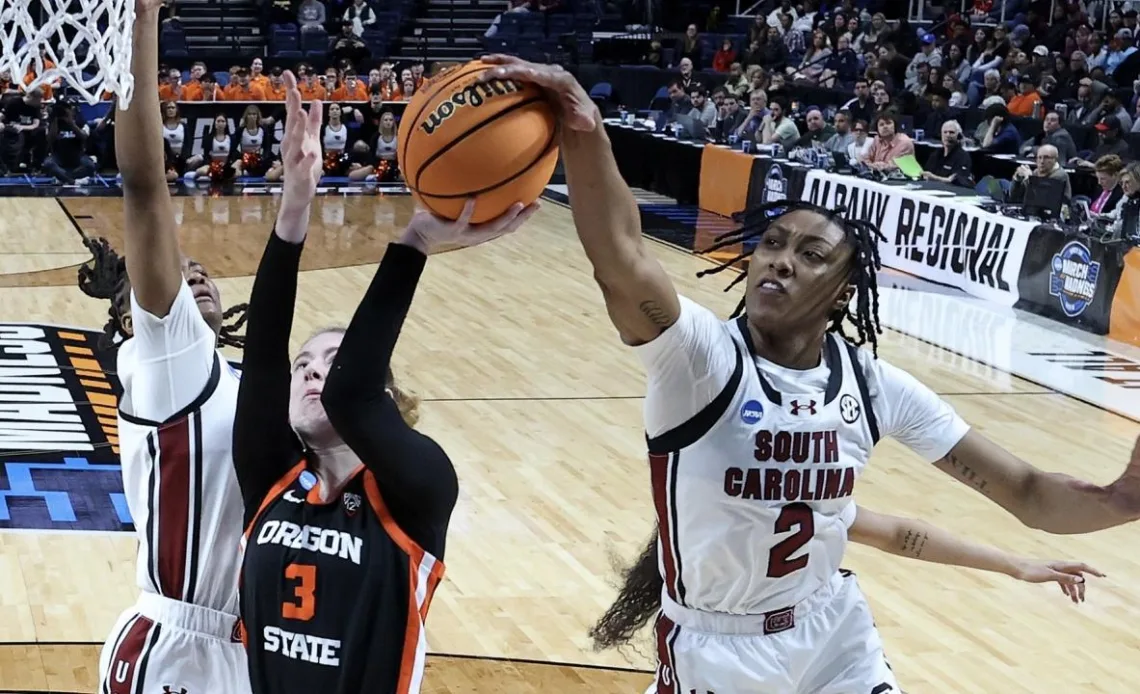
(865, 263)
(640, 595)
(105, 277)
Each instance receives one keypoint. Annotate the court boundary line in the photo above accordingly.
(454, 656)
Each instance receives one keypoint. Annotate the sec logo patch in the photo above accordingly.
(849, 409)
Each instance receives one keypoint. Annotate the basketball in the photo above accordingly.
(459, 139)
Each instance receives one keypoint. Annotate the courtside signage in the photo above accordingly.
(937, 239)
(59, 455)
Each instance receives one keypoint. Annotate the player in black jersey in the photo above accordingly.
(346, 505)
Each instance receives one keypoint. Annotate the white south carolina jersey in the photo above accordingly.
(176, 441)
(753, 464)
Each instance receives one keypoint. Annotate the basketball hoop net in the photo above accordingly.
(86, 43)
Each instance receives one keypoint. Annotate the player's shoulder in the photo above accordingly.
(881, 375)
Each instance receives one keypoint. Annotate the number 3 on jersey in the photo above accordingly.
(797, 517)
(305, 592)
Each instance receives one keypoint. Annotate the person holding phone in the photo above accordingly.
(1001, 135)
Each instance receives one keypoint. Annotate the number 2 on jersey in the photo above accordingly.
(798, 517)
(304, 591)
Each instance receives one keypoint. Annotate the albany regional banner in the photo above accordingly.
(936, 238)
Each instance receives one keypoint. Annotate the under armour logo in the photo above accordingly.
(797, 406)
(167, 690)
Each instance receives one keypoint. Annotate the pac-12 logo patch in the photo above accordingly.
(751, 412)
(849, 408)
(351, 503)
(1072, 278)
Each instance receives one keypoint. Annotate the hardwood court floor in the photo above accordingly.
(527, 386)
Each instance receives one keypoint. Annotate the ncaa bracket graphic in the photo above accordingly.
(59, 457)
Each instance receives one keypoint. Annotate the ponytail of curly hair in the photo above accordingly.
(637, 602)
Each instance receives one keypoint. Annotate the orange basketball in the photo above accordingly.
(495, 142)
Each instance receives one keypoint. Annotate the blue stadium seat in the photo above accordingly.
(601, 91)
(173, 42)
(284, 43)
(660, 100)
(559, 24)
(223, 78)
(315, 43)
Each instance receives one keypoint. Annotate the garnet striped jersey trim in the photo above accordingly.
(182, 492)
(126, 669)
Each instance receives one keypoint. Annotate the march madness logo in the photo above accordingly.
(1072, 278)
(775, 185)
(59, 454)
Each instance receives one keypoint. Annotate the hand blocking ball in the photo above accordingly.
(496, 142)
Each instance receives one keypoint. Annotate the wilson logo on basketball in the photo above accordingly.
(475, 95)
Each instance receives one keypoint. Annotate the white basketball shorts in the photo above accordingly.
(163, 645)
(827, 644)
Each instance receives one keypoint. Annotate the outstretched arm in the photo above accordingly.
(414, 474)
(916, 539)
(265, 447)
(154, 261)
(639, 296)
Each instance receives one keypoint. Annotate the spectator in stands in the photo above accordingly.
(818, 130)
(725, 56)
(1108, 170)
(842, 137)
(1110, 106)
(352, 89)
(958, 98)
(929, 55)
(861, 107)
(937, 112)
(389, 85)
(408, 89)
(869, 39)
(1001, 136)
(21, 122)
(889, 145)
(66, 141)
(842, 66)
(311, 15)
(1128, 210)
(773, 52)
(512, 6)
(737, 81)
(950, 164)
(686, 69)
(793, 39)
(369, 116)
(728, 118)
(691, 46)
(758, 32)
(861, 146)
(1120, 48)
(241, 90)
(990, 92)
(894, 63)
(170, 86)
(1054, 134)
(309, 84)
(192, 89)
(275, 87)
(1085, 110)
(918, 87)
(1027, 103)
(1097, 54)
(881, 101)
(1047, 167)
(703, 109)
(418, 73)
(757, 111)
(347, 45)
(778, 128)
(814, 60)
(954, 63)
(209, 88)
(360, 17)
(257, 76)
(1110, 134)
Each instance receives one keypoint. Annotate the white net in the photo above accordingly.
(86, 43)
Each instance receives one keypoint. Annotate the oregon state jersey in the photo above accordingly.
(182, 492)
(753, 494)
(334, 595)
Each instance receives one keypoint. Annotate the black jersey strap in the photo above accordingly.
(699, 424)
(864, 391)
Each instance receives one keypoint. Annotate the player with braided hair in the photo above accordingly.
(176, 417)
(105, 277)
(758, 428)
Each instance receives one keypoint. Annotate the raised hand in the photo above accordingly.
(429, 233)
(575, 108)
(1069, 575)
(145, 6)
(301, 160)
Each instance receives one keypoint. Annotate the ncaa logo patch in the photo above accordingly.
(849, 408)
(308, 480)
(751, 412)
(1072, 278)
(775, 185)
